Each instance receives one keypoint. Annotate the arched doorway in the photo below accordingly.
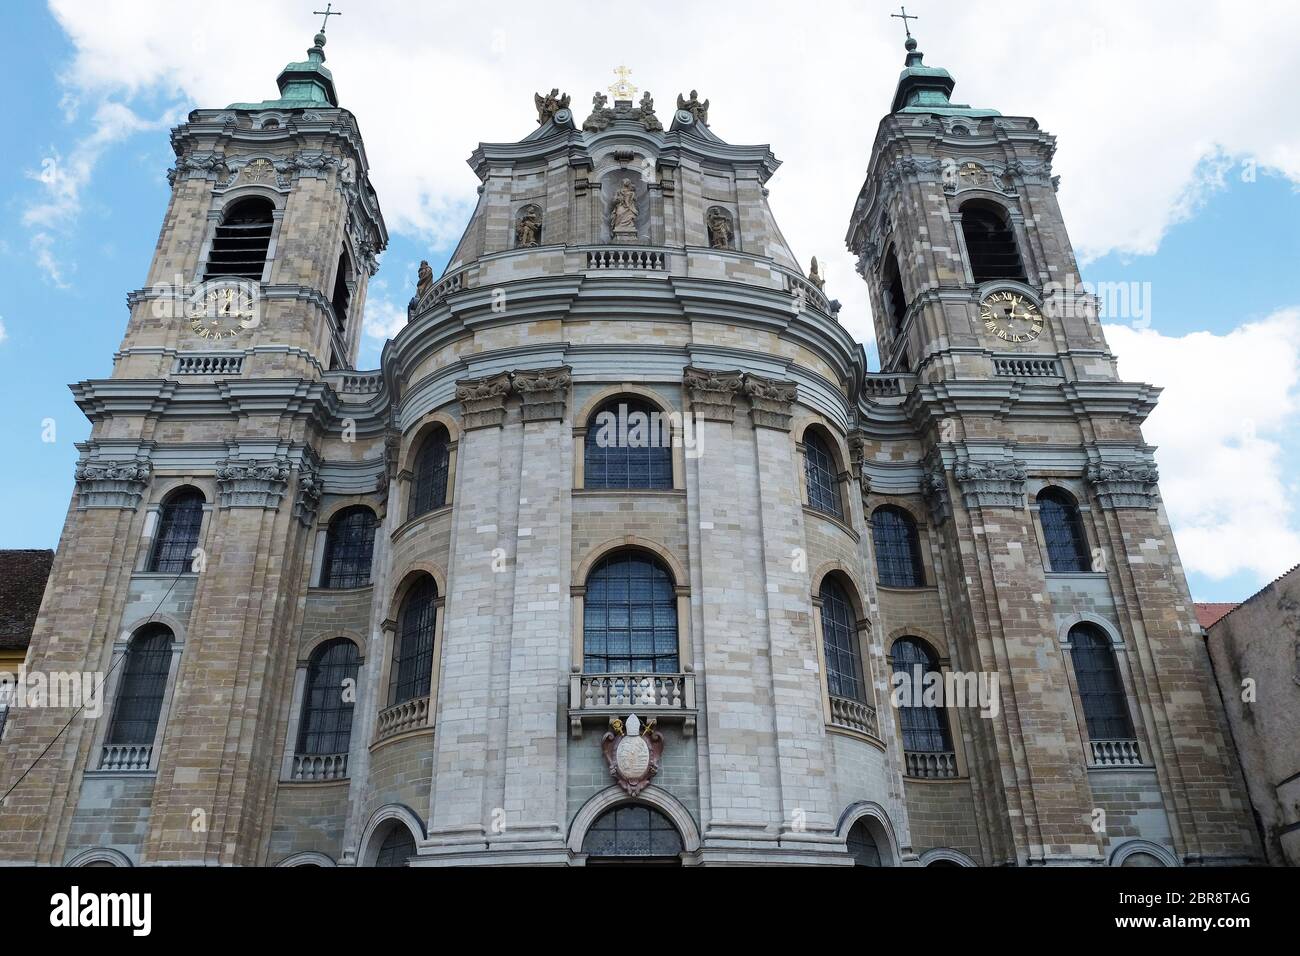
(633, 835)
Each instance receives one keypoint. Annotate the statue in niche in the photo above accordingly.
(622, 216)
(815, 275)
(528, 228)
(693, 106)
(550, 104)
(720, 231)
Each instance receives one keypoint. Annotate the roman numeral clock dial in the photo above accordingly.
(1011, 317)
(223, 311)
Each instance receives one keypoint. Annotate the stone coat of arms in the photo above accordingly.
(632, 752)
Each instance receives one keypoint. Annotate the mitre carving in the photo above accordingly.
(633, 752)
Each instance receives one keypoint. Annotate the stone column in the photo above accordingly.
(738, 754)
(808, 815)
(534, 817)
(466, 703)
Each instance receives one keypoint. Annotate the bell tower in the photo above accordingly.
(268, 243)
(960, 239)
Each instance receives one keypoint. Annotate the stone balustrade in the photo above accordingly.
(665, 696)
(319, 767)
(853, 715)
(119, 757)
(621, 257)
(1027, 368)
(937, 765)
(408, 715)
(208, 364)
(1115, 753)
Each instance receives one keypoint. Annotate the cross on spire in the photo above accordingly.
(327, 13)
(905, 16)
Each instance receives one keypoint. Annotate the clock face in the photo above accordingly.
(1011, 317)
(223, 310)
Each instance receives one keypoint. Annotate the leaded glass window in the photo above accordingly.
(429, 484)
(179, 522)
(140, 689)
(819, 469)
(412, 666)
(1067, 546)
(898, 549)
(630, 617)
(628, 445)
(840, 641)
(397, 849)
(632, 831)
(326, 725)
(1105, 708)
(925, 727)
(349, 546)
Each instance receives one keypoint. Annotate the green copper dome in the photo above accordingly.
(926, 89)
(302, 85)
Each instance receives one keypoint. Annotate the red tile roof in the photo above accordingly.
(1208, 614)
(22, 585)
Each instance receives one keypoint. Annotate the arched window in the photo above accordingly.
(895, 297)
(1101, 691)
(819, 471)
(141, 687)
(397, 849)
(349, 547)
(429, 484)
(840, 643)
(898, 548)
(1067, 546)
(240, 243)
(925, 727)
(179, 521)
(629, 617)
(633, 830)
(628, 445)
(342, 294)
(412, 666)
(862, 845)
(326, 724)
(990, 243)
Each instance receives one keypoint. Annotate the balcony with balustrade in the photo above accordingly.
(853, 715)
(1107, 754)
(405, 717)
(125, 758)
(595, 698)
(930, 765)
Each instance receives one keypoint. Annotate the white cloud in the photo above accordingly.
(4, 333)
(1229, 402)
(384, 318)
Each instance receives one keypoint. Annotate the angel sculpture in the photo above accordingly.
(693, 106)
(550, 104)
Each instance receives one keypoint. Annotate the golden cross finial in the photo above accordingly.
(622, 89)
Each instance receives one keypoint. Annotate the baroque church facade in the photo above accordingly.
(617, 555)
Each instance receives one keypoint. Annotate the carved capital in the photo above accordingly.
(111, 484)
(770, 401)
(252, 483)
(713, 393)
(1124, 484)
(992, 483)
(483, 400)
(543, 392)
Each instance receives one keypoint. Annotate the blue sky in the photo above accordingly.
(1219, 264)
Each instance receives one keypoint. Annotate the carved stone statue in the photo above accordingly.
(622, 215)
(423, 278)
(550, 104)
(647, 104)
(720, 231)
(693, 106)
(528, 228)
(815, 275)
(599, 101)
